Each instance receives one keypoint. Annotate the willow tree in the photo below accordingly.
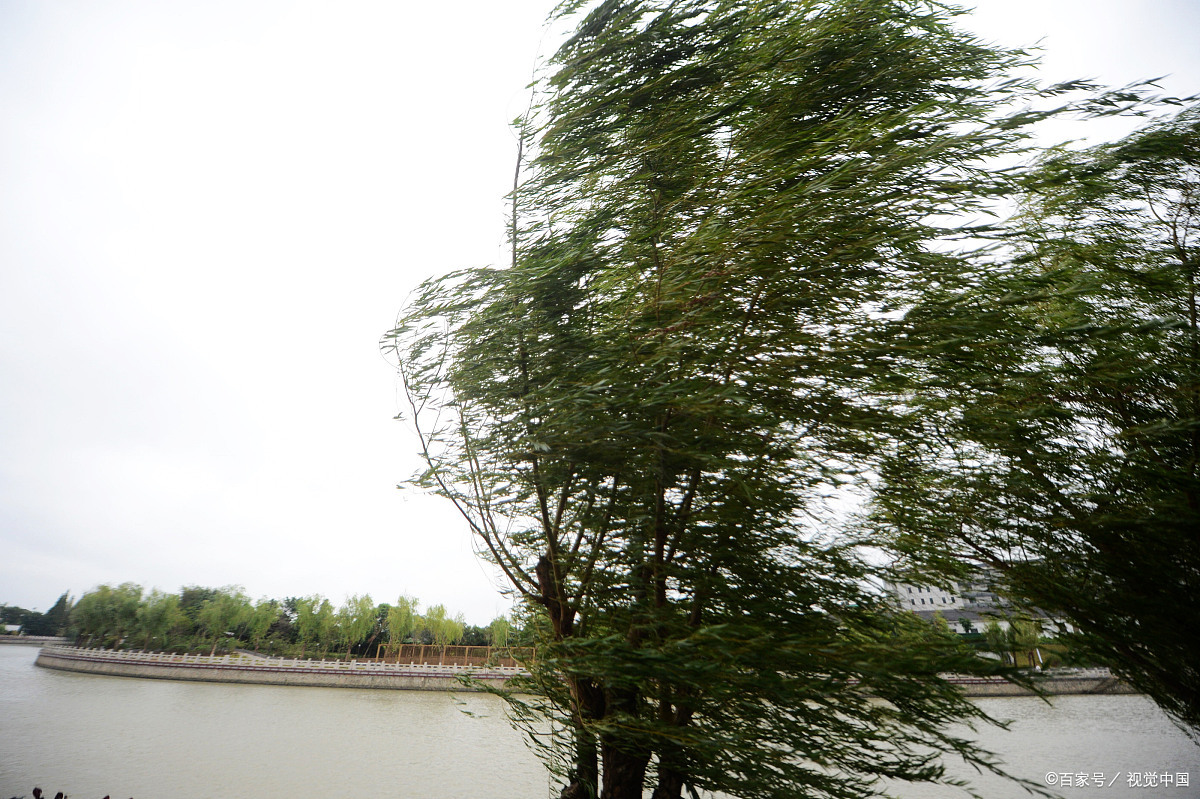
(355, 620)
(266, 613)
(158, 614)
(401, 622)
(443, 628)
(1057, 409)
(643, 417)
(221, 615)
(315, 622)
(108, 615)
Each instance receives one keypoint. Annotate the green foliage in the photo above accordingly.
(940, 624)
(356, 620)
(442, 627)
(193, 597)
(157, 615)
(315, 622)
(401, 621)
(220, 616)
(11, 614)
(997, 640)
(53, 622)
(499, 631)
(266, 613)
(107, 616)
(225, 618)
(643, 417)
(1055, 409)
(1025, 635)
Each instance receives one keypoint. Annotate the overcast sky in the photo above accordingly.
(211, 211)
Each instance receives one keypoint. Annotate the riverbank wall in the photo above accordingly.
(1075, 681)
(246, 668)
(241, 668)
(31, 640)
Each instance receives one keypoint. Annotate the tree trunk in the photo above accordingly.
(670, 784)
(624, 772)
(585, 777)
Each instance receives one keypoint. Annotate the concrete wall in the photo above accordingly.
(1099, 683)
(417, 677)
(263, 671)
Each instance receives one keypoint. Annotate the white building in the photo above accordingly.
(967, 605)
(977, 592)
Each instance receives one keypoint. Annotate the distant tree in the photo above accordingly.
(1026, 633)
(58, 618)
(283, 632)
(266, 613)
(193, 597)
(355, 620)
(402, 621)
(158, 614)
(499, 630)
(191, 600)
(34, 623)
(107, 615)
(474, 636)
(997, 640)
(443, 628)
(314, 621)
(11, 614)
(52, 622)
(378, 630)
(222, 614)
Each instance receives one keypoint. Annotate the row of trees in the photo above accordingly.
(755, 266)
(32, 622)
(1020, 636)
(222, 619)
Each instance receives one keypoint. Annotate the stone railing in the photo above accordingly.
(255, 669)
(1054, 681)
(270, 670)
(274, 664)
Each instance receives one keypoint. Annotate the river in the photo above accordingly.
(89, 736)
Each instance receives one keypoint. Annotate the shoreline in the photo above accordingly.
(254, 670)
(271, 671)
(1076, 682)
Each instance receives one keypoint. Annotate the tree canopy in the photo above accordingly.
(1055, 408)
(644, 415)
(225, 618)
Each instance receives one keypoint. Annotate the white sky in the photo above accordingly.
(210, 212)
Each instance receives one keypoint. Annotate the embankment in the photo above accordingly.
(1074, 681)
(242, 668)
(269, 671)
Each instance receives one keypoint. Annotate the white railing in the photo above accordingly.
(280, 664)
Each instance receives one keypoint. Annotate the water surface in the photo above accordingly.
(90, 735)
